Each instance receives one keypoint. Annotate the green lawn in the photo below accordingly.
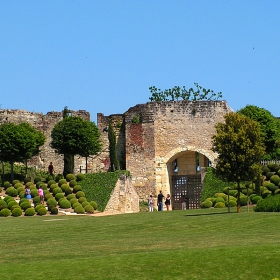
(193, 244)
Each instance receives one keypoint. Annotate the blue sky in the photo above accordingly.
(102, 56)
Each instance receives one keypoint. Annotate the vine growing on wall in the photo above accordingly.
(114, 163)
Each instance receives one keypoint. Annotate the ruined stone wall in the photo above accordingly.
(45, 124)
(166, 129)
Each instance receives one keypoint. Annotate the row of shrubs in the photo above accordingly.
(58, 192)
(266, 198)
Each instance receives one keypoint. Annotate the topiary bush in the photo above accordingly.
(29, 212)
(51, 202)
(16, 212)
(94, 204)
(85, 203)
(70, 177)
(11, 191)
(6, 185)
(64, 187)
(58, 196)
(15, 182)
(18, 185)
(80, 177)
(255, 199)
(42, 211)
(53, 210)
(25, 205)
(70, 196)
(50, 182)
(89, 209)
(77, 188)
(269, 204)
(34, 192)
(72, 183)
(68, 191)
(271, 187)
(38, 206)
(80, 194)
(206, 204)
(58, 177)
(275, 179)
(76, 204)
(37, 179)
(36, 200)
(5, 212)
(82, 199)
(219, 205)
(79, 209)
(57, 190)
(3, 204)
(61, 182)
(11, 203)
(64, 203)
(268, 175)
(231, 203)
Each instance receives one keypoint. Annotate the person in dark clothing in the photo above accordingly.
(160, 201)
(51, 169)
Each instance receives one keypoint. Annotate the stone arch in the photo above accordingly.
(164, 165)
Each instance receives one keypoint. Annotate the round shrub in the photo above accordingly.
(61, 182)
(76, 204)
(79, 209)
(20, 189)
(34, 193)
(244, 191)
(25, 205)
(222, 195)
(233, 193)
(38, 184)
(206, 204)
(275, 179)
(11, 203)
(243, 200)
(18, 185)
(11, 191)
(64, 203)
(72, 183)
(218, 199)
(93, 204)
(82, 199)
(58, 177)
(36, 200)
(16, 212)
(27, 180)
(64, 187)
(269, 204)
(23, 200)
(77, 188)
(58, 196)
(33, 187)
(277, 192)
(50, 182)
(38, 206)
(231, 203)
(255, 199)
(89, 209)
(85, 203)
(70, 177)
(73, 200)
(53, 186)
(7, 197)
(29, 212)
(28, 184)
(3, 204)
(272, 166)
(54, 210)
(80, 194)
(219, 205)
(57, 190)
(70, 196)
(37, 179)
(227, 189)
(48, 196)
(21, 194)
(5, 212)
(6, 185)
(42, 211)
(51, 202)
(271, 187)
(268, 175)
(80, 177)
(15, 182)
(266, 193)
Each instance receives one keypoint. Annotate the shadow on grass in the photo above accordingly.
(208, 214)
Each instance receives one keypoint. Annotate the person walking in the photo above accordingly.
(151, 203)
(41, 194)
(160, 201)
(51, 169)
(167, 202)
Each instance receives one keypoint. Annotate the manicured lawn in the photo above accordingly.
(193, 244)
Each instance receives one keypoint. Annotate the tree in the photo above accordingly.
(270, 129)
(75, 136)
(177, 93)
(112, 148)
(19, 143)
(239, 145)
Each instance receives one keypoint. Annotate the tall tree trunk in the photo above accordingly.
(238, 198)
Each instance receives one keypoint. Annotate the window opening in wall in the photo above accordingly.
(197, 161)
(175, 165)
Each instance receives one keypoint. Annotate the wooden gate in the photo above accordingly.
(188, 188)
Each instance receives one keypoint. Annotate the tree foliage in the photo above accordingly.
(112, 149)
(19, 142)
(239, 144)
(75, 136)
(270, 129)
(177, 93)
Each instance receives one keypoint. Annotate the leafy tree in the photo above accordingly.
(177, 93)
(270, 128)
(75, 136)
(112, 149)
(239, 145)
(19, 143)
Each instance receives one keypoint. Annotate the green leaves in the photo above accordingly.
(177, 93)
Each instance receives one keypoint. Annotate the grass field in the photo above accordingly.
(193, 244)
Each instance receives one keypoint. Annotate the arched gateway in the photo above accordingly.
(167, 145)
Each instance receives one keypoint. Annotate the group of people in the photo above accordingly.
(160, 199)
